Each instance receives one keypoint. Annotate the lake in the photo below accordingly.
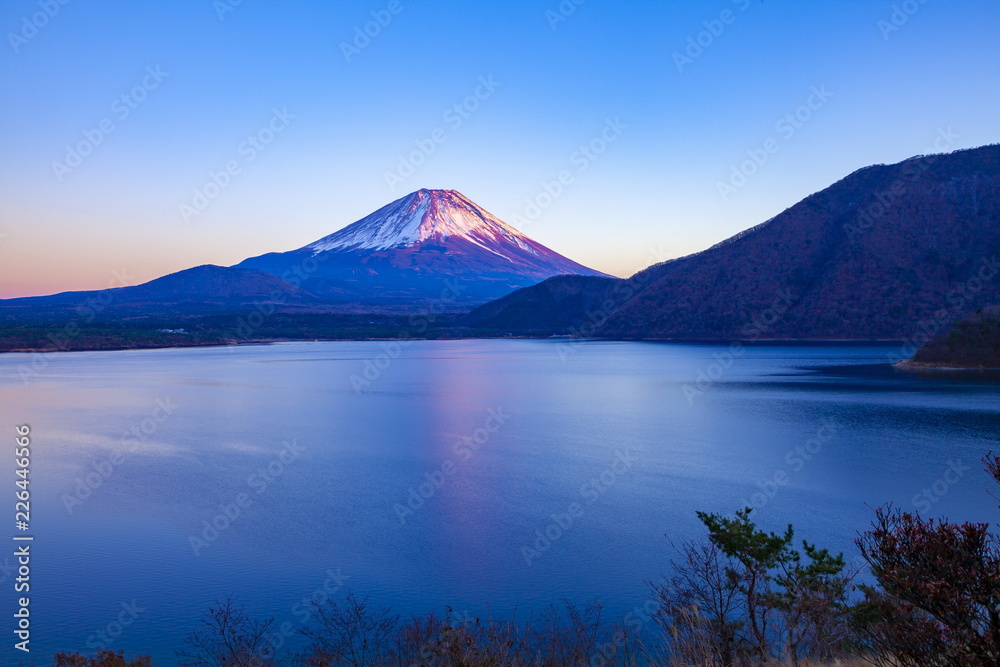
(462, 473)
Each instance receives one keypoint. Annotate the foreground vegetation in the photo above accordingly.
(739, 597)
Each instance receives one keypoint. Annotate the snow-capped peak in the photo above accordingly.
(423, 216)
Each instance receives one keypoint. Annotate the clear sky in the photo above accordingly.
(115, 113)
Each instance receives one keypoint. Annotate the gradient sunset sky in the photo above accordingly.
(692, 89)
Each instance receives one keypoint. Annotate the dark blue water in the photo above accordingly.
(428, 479)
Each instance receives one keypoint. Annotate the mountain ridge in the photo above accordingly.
(876, 255)
(403, 252)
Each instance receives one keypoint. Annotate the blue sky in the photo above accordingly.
(311, 120)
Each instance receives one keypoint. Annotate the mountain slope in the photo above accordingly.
(884, 253)
(202, 288)
(429, 246)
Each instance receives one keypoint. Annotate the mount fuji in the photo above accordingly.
(429, 246)
(432, 250)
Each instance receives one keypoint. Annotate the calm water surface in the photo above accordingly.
(426, 479)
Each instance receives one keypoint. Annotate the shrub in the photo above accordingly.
(104, 658)
(939, 601)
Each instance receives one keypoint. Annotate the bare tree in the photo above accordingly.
(350, 632)
(229, 637)
(701, 608)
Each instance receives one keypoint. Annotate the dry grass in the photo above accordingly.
(847, 662)
(844, 662)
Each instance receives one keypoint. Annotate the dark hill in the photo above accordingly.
(974, 342)
(878, 254)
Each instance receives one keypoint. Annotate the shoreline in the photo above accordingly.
(804, 342)
(913, 366)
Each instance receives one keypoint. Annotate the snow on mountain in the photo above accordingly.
(406, 251)
(425, 216)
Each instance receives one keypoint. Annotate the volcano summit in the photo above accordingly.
(406, 251)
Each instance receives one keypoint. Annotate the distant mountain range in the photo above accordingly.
(889, 252)
(432, 249)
